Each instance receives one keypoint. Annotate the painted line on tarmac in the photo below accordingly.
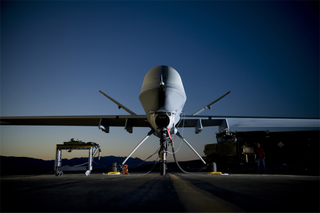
(198, 200)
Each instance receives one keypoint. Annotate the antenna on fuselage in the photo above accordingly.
(161, 81)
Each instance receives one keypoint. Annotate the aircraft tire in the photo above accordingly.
(163, 168)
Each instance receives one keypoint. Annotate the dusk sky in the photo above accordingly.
(57, 55)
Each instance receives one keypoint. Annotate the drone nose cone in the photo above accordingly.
(162, 88)
(161, 76)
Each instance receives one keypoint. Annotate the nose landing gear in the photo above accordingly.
(163, 153)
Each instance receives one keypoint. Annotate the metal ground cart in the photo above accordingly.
(75, 145)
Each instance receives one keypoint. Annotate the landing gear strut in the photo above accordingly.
(163, 153)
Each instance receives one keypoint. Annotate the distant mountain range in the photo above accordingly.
(26, 165)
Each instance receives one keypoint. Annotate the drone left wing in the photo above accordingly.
(103, 122)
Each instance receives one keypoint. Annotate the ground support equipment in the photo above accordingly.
(74, 145)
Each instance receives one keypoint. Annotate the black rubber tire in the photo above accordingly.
(163, 168)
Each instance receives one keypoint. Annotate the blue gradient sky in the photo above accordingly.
(56, 56)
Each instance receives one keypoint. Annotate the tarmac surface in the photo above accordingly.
(175, 192)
